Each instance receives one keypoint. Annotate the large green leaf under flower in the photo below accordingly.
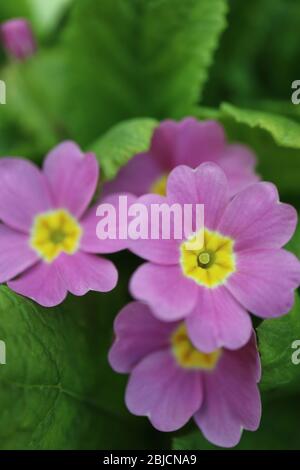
(56, 388)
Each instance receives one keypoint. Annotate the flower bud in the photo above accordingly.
(18, 38)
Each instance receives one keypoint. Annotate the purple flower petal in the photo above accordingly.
(218, 320)
(41, 283)
(170, 295)
(15, 255)
(89, 241)
(187, 142)
(265, 281)
(256, 219)
(73, 177)
(136, 177)
(206, 185)
(232, 400)
(162, 391)
(23, 193)
(83, 272)
(238, 163)
(197, 142)
(138, 333)
(162, 251)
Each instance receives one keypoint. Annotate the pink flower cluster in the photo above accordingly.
(187, 340)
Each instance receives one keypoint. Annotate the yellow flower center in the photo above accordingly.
(53, 233)
(187, 356)
(160, 186)
(211, 265)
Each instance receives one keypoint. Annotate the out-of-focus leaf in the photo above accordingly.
(47, 13)
(275, 338)
(284, 131)
(17, 8)
(120, 143)
(34, 96)
(275, 139)
(264, 67)
(56, 389)
(130, 58)
(294, 244)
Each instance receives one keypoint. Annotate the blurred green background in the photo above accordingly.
(106, 71)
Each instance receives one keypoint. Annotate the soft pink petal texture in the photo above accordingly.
(23, 193)
(170, 295)
(161, 251)
(265, 280)
(206, 185)
(83, 272)
(187, 142)
(167, 394)
(238, 163)
(197, 142)
(256, 219)
(15, 253)
(41, 283)
(163, 145)
(138, 333)
(18, 38)
(72, 176)
(136, 177)
(232, 400)
(217, 321)
(89, 241)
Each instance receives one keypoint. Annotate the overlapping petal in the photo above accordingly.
(218, 321)
(83, 272)
(167, 394)
(265, 281)
(206, 185)
(170, 295)
(232, 400)
(138, 333)
(24, 193)
(41, 283)
(15, 253)
(72, 176)
(256, 219)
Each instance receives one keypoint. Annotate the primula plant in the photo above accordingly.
(165, 103)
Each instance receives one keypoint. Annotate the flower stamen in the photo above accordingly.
(187, 356)
(55, 232)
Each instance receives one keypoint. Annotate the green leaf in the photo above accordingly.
(132, 58)
(294, 244)
(13, 9)
(46, 15)
(120, 143)
(279, 430)
(285, 132)
(57, 390)
(275, 338)
(34, 94)
(275, 139)
(244, 70)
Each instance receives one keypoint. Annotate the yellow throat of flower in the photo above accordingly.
(187, 356)
(211, 265)
(160, 186)
(53, 233)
